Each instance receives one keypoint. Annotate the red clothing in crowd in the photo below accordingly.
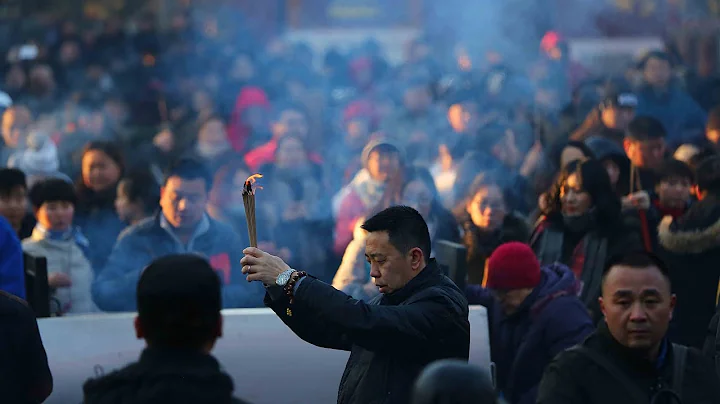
(239, 131)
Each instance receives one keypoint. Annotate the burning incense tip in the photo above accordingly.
(250, 182)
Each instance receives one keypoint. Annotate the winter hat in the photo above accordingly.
(376, 144)
(512, 266)
(40, 157)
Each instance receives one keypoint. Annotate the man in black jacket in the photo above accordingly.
(179, 302)
(629, 359)
(24, 373)
(420, 316)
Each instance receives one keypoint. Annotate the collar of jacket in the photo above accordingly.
(202, 228)
(429, 276)
(178, 356)
(636, 361)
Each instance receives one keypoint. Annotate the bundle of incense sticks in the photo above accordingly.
(249, 202)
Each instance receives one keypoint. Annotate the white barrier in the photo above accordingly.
(80, 347)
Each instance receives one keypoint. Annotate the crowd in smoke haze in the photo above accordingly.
(471, 133)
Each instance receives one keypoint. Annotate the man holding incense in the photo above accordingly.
(182, 226)
(419, 317)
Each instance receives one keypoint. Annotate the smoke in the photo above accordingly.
(513, 28)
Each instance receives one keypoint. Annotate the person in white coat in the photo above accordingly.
(70, 275)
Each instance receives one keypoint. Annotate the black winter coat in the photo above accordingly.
(391, 338)
(24, 373)
(690, 246)
(573, 378)
(164, 376)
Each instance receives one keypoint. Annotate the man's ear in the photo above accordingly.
(219, 330)
(673, 301)
(602, 305)
(627, 145)
(417, 259)
(139, 332)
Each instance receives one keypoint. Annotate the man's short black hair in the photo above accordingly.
(405, 226)
(52, 190)
(643, 128)
(141, 186)
(637, 260)
(672, 168)
(179, 301)
(10, 179)
(190, 168)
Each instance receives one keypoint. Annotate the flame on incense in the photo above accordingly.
(249, 182)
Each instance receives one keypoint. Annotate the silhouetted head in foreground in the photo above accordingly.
(179, 302)
(453, 381)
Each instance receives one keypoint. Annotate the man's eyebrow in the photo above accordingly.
(623, 293)
(650, 293)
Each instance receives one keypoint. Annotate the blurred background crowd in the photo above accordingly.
(492, 138)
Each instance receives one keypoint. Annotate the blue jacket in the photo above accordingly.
(114, 288)
(550, 320)
(12, 268)
(101, 227)
(683, 118)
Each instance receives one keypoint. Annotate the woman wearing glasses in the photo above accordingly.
(487, 222)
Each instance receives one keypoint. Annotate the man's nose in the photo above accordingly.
(637, 313)
(374, 271)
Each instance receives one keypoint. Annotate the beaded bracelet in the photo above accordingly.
(290, 286)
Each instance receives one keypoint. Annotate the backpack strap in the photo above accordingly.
(679, 357)
(635, 393)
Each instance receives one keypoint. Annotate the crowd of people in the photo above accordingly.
(119, 149)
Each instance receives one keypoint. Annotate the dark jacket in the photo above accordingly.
(164, 376)
(573, 378)
(550, 320)
(114, 288)
(391, 338)
(690, 246)
(681, 116)
(585, 254)
(481, 244)
(24, 373)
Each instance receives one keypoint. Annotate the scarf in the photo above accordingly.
(73, 233)
(580, 224)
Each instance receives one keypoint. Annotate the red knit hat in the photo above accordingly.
(512, 266)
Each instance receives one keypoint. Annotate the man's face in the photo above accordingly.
(14, 123)
(183, 201)
(464, 118)
(637, 305)
(510, 300)
(13, 205)
(291, 123)
(657, 72)
(646, 153)
(56, 215)
(389, 268)
(674, 192)
(617, 117)
(383, 166)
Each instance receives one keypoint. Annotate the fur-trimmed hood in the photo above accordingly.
(695, 232)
